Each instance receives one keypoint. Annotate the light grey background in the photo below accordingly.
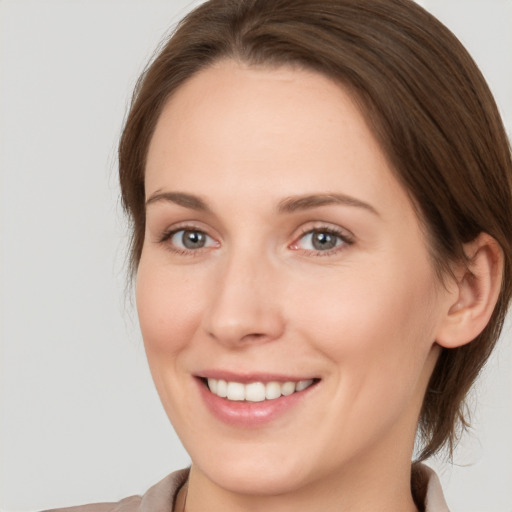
(79, 418)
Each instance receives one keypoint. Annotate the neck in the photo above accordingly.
(357, 489)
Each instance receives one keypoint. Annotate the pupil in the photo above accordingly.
(324, 241)
(193, 239)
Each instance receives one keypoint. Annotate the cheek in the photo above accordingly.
(169, 306)
(379, 326)
(377, 336)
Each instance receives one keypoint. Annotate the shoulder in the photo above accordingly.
(427, 489)
(131, 504)
(159, 498)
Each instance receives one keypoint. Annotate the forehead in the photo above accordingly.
(264, 130)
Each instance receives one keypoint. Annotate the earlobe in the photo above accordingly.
(478, 284)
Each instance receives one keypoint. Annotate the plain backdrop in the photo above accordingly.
(79, 418)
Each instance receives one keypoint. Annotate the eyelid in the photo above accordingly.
(207, 236)
(347, 238)
(166, 236)
(187, 225)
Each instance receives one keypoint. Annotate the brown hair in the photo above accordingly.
(427, 104)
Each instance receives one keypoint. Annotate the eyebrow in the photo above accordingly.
(180, 198)
(287, 205)
(297, 203)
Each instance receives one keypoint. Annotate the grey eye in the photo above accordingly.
(320, 241)
(191, 239)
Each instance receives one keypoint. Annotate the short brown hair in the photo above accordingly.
(427, 104)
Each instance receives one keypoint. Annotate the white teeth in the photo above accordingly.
(222, 388)
(303, 384)
(212, 384)
(272, 390)
(236, 391)
(288, 388)
(256, 391)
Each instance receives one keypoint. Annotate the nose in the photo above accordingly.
(244, 305)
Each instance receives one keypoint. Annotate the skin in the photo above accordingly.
(259, 297)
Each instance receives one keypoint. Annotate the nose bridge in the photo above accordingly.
(244, 303)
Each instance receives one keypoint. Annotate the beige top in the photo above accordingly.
(160, 497)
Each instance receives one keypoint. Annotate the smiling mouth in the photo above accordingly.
(256, 391)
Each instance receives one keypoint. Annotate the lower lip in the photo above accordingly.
(250, 414)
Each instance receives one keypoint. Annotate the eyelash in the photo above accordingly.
(346, 239)
(167, 236)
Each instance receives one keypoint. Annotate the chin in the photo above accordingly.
(255, 477)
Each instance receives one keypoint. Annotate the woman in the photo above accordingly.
(321, 202)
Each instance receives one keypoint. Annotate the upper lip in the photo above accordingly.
(248, 377)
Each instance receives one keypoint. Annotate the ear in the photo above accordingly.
(477, 287)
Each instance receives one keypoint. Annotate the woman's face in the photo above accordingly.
(280, 254)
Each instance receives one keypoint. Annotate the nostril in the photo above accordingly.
(256, 335)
